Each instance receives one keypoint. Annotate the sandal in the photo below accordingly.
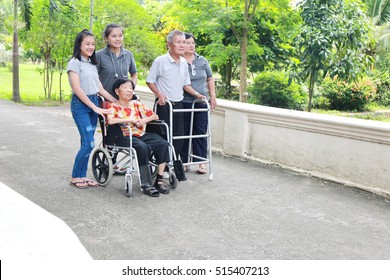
(91, 183)
(79, 184)
(150, 191)
(201, 170)
(160, 186)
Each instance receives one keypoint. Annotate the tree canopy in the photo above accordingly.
(240, 38)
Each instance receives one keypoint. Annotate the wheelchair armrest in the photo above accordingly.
(156, 122)
(158, 126)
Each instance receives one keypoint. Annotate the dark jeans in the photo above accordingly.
(86, 121)
(199, 145)
(177, 123)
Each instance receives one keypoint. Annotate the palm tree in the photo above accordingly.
(379, 13)
(25, 10)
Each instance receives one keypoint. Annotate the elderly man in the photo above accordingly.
(167, 79)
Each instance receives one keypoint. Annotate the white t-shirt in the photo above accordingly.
(170, 77)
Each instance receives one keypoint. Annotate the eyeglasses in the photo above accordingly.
(193, 69)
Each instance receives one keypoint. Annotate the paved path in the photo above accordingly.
(249, 210)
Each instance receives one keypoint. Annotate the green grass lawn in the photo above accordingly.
(31, 85)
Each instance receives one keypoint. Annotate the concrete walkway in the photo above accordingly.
(249, 211)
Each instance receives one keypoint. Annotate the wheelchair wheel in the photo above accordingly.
(129, 185)
(173, 180)
(102, 166)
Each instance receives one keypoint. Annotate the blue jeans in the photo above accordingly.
(86, 121)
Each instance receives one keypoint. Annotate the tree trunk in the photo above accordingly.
(45, 78)
(60, 81)
(228, 78)
(48, 75)
(249, 12)
(15, 58)
(243, 70)
(311, 90)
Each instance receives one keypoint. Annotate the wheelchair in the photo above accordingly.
(126, 161)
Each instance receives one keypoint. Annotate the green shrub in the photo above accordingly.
(272, 89)
(5, 56)
(382, 96)
(345, 96)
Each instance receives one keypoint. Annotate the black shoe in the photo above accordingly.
(150, 191)
(160, 186)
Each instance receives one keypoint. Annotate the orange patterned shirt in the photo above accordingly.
(136, 111)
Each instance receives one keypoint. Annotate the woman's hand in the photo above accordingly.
(213, 102)
(139, 123)
(101, 111)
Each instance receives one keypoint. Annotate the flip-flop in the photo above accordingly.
(79, 185)
(91, 183)
(201, 170)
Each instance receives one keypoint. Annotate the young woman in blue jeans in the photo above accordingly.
(85, 84)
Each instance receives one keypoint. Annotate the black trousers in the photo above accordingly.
(144, 146)
(177, 123)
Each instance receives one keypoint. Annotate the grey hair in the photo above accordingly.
(172, 35)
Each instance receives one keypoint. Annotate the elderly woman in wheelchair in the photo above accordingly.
(129, 113)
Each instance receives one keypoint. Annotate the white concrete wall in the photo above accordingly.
(350, 151)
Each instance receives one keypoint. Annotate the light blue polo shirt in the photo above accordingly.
(170, 77)
(89, 77)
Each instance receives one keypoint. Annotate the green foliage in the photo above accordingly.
(139, 35)
(382, 81)
(379, 13)
(332, 41)
(275, 26)
(348, 96)
(273, 89)
(5, 19)
(218, 26)
(5, 56)
(378, 10)
(382, 60)
(51, 36)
